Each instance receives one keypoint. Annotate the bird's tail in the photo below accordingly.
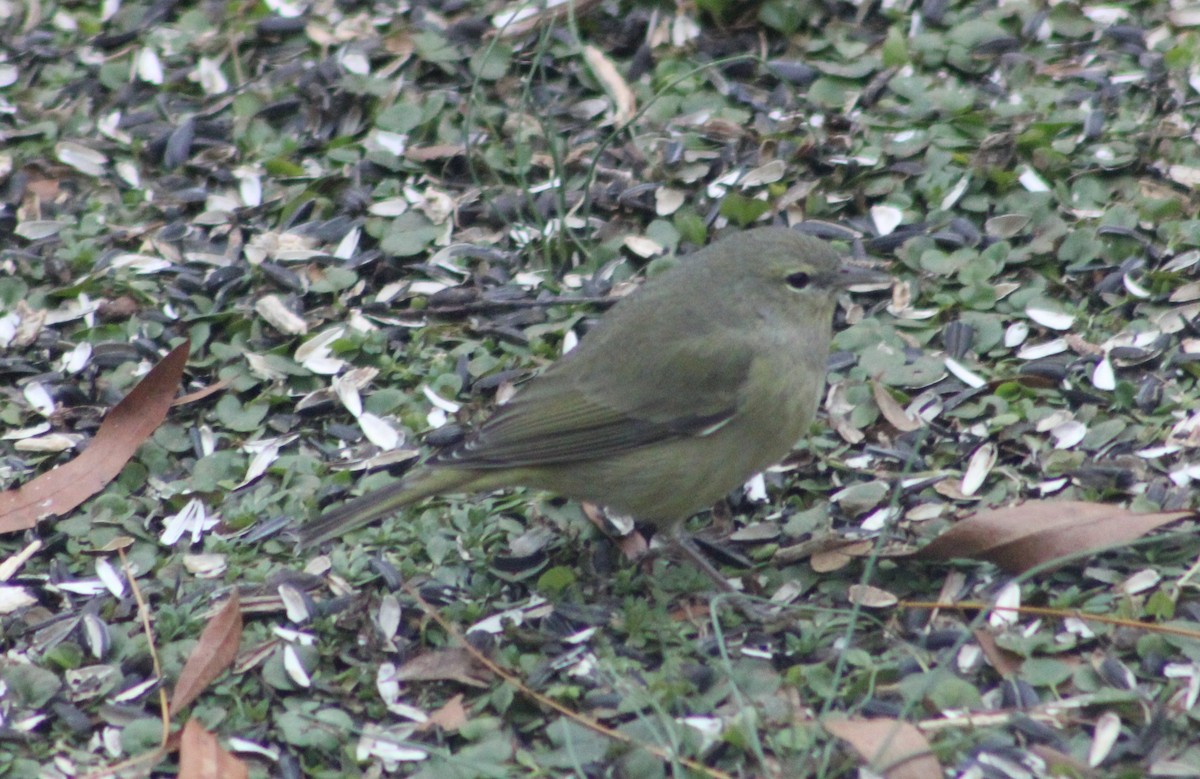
(365, 509)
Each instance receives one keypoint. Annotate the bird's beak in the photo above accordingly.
(857, 276)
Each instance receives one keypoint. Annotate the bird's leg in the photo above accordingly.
(678, 540)
(752, 609)
(683, 542)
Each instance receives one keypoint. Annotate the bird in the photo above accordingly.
(704, 376)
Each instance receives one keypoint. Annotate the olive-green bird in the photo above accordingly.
(706, 375)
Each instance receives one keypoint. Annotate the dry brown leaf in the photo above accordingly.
(1018, 538)
(871, 597)
(1005, 662)
(123, 430)
(950, 489)
(895, 749)
(892, 411)
(844, 428)
(201, 757)
(455, 665)
(827, 562)
(217, 648)
(44, 188)
(450, 717)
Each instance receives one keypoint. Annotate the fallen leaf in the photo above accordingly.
(871, 597)
(201, 757)
(216, 650)
(450, 717)
(895, 749)
(1006, 662)
(829, 561)
(456, 665)
(1028, 535)
(892, 411)
(123, 430)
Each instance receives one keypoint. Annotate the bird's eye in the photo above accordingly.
(798, 280)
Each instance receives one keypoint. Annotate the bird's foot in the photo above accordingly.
(752, 608)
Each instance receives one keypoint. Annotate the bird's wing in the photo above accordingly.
(569, 414)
